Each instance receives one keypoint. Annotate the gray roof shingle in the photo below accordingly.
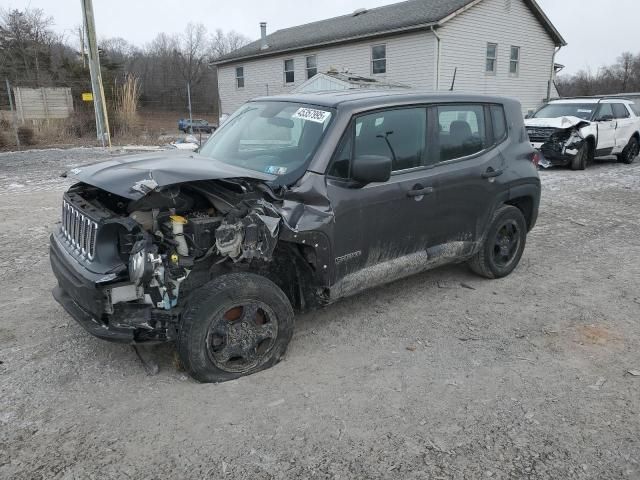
(396, 17)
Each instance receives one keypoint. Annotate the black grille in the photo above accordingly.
(79, 230)
(540, 134)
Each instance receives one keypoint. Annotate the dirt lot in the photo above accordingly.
(443, 375)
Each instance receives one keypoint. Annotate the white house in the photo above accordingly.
(504, 47)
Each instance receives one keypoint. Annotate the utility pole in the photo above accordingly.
(190, 116)
(99, 103)
(13, 112)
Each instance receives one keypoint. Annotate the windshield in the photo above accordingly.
(278, 138)
(556, 110)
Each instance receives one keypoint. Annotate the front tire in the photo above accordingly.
(630, 152)
(579, 162)
(235, 325)
(503, 245)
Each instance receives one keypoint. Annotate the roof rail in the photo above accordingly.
(602, 97)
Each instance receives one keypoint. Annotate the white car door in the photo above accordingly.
(606, 123)
(627, 126)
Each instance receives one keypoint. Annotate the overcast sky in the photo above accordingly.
(597, 30)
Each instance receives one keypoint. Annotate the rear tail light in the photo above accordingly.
(535, 158)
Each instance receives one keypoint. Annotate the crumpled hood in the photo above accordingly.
(560, 122)
(133, 176)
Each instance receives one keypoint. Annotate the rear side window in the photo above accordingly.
(635, 109)
(499, 123)
(620, 111)
(462, 131)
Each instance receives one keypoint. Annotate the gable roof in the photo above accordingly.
(400, 17)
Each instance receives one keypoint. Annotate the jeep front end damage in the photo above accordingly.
(122, 265)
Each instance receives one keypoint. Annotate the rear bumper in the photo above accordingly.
(80, 294)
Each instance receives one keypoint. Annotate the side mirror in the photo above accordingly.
(371, 169)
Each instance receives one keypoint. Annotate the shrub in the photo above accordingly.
(25, 135)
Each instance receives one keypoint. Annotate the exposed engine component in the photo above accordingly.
(177, 227)
(254, 236)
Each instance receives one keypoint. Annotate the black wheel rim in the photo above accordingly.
(506, 244)
(241, 337)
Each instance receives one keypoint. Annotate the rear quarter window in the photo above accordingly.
(499, 121)
(635, 109)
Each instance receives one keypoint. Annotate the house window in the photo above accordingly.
(514, 64)
(289, 74)
(492, 57)
(312, 66)
(379, 59)
(240, 77)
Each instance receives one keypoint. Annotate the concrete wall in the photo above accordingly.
(42, 103)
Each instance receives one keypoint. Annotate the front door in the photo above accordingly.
(381, 228)
(606, 124)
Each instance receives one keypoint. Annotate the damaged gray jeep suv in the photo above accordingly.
(295, 202)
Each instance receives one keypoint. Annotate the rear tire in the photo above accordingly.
(235, 325)
(630, 152)
(503, 245)
(581, 159)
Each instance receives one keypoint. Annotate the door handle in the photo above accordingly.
(420, 192)
(491, 173)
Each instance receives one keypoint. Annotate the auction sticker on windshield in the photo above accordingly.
(312, 115)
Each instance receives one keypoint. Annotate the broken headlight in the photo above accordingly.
(137, 261)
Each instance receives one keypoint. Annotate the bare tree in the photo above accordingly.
(224, 43)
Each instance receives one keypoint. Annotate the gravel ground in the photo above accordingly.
(443, 375)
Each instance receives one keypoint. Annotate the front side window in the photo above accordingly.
(277, 138)
(379, 59)
(492, 57)
(605, 112)
(397, 134)
(514, 63)
(312, 66)
(289, 71)
(620, 111)
(240, 77)
(462, 131)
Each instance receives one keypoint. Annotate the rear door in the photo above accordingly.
(626, 126)
(468, 166)
(606, 124)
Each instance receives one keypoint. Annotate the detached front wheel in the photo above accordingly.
(235, 325)
(503, 246)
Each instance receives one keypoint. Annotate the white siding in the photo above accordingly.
(410, 61)
(507, 23)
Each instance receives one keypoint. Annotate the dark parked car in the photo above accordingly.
(294, 203)
(195, 126)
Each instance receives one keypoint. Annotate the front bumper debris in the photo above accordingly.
(80, 295)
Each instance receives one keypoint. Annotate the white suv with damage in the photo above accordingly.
(575, 131)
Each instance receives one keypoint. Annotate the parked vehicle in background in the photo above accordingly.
(195, 126)
(296, 202)
(575, 131)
